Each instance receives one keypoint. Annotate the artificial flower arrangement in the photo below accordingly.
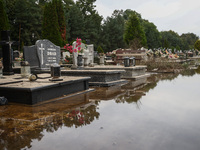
(77, 47)
(20, 58)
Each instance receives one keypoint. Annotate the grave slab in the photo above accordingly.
(134, 72)
(98, 77)
(19, 90)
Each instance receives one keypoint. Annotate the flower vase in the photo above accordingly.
(25, 69)
(101, 60)
(80, 60)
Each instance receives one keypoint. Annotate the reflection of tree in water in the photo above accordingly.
(134, 94)
(130, 97)
(197, 70)
(189, 72)
(19, 133)
(79, 118)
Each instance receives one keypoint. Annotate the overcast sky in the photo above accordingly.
(181, 16)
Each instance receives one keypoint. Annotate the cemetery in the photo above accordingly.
(30, 88)
(39, 74)
(72, 77)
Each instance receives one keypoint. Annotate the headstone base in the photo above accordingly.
(8, 73)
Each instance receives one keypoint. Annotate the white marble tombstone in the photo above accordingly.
(86, 57)
(75, 55)
(91, 54)
(64, 54)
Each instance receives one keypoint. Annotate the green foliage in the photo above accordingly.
(152, 35)
(76, 23)
(25, 20)
(86, 6)
(197, 45)
(100, 50)
(134, 34)
(91, 20)
(61, 20)
(171, 39)
(50, 26)
(188, 40)
(3, 18)
(80, 19)
(112, 32)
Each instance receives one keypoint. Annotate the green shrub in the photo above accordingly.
(197, 45)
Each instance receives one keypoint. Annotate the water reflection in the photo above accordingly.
(19, 125)
(88, 117)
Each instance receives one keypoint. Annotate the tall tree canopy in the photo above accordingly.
(61, 20)
(152, 34)
(171, 39)
(3, 18)
(188, 40)
(112, 32)
(50, 26)
(27, 20)
(134, 34)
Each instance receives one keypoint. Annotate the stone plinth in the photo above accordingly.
(134, 72)
(98, 77)
(19, 90)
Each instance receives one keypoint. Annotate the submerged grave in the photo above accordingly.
(21, 90)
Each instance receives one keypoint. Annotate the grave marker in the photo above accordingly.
(7, 52)
(42, 54)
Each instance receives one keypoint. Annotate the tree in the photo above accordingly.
(188, 40)
(61, 20)
(112, 32)
(134, 34)
(152, 34)
(25, 20)
(50, 26)
(171, 39)
(3, 18)
(100, 50)
(92, 20)
(197, 45)
(76, 23)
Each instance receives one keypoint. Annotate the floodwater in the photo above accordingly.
(162, 115)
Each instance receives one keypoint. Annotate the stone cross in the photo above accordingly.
(7, 52)
(42, 55)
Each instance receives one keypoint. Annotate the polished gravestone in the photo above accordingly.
(42, 55)
(20, 90)
(30, 55)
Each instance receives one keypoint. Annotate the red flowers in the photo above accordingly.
(70, 47)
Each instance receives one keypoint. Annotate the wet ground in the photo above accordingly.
(161, 115)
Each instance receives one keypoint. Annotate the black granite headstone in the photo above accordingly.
(30, 55)
(48, 53)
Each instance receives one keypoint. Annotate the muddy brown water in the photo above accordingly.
(162, 115)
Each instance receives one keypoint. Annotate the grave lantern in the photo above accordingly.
(25, 69)
(126, 62)
(55, 72)
(132, 61)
